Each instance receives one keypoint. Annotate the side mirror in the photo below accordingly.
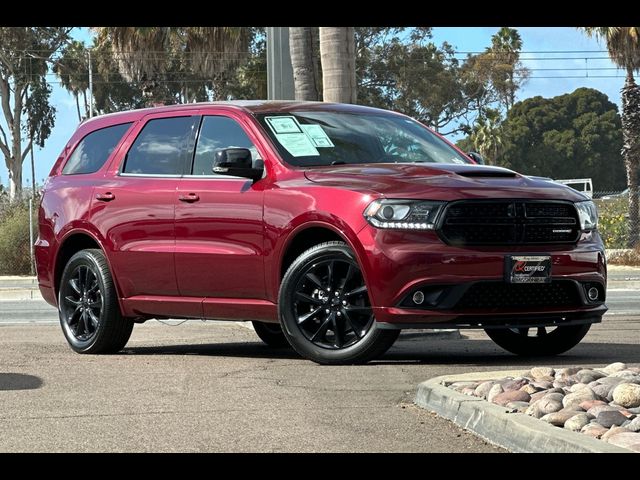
(236, 162)
(476, 157)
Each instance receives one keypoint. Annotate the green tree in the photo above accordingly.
(568, 136)
(400, 69)
(338, 57)
(623, 44)
(507, 74)
(486, 137)
(72, 68)
(249, 80)
(159, 59)
(111, 92)
(25, 54)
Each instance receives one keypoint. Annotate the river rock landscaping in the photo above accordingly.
(603, 403)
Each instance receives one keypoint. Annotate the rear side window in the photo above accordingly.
(161, 147)
(93, 150)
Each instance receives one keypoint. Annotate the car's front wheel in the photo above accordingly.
(325, 310)
(88, 305)
(538, 341)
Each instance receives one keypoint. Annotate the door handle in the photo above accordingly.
(105, 197)
(189, 198)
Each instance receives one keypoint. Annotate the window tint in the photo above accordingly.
(161, 147)
(217, 133)
(93, 150)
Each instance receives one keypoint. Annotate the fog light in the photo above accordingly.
(418, 298)
(593, 294)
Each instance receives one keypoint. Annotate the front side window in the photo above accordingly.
(161, 147)
(94, 149)
(316, 138)
(217, 133)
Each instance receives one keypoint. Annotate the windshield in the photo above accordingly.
(307, 139)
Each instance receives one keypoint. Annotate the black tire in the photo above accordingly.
(339, 329)
(271, 334)
(88, 305)
(541, 343)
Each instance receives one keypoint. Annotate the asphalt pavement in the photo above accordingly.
(215, 387)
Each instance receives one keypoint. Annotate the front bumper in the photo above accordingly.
(397, 263)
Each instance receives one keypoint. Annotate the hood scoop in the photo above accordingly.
(487, 174)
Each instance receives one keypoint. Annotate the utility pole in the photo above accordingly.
(90, 85)
(279, 71)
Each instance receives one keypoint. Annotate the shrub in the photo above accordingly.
(14, 240)
(613, 223)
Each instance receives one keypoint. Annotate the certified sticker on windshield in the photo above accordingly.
(298, 144)
(283, 125)
(289, 133)
(318, 136)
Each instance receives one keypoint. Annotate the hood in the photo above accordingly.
(439, 181)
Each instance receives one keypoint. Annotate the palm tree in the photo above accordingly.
(147, 54)
(487, 135)
(73, 70)
(623, 44)
(508, 74)
(302, 47)
(337, 53)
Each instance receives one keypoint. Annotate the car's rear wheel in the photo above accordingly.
(271, 334)
(538, 341)
(325, 310)
(88, 305)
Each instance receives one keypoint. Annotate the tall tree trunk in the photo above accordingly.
(337, 52)
(75, 95)
(15, 179)
(302, 50)
(86, 104)
(631, 150)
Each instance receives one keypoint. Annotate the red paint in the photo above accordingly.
(200, 247)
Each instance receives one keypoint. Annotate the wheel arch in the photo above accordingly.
(307, 235)
(74, 241)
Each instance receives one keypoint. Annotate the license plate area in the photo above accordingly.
(528, 268)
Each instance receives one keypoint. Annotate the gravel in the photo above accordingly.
(600, 402)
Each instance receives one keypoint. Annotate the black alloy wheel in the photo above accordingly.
(538, 341)
(82, 303)
(88, 305)
(325, 308)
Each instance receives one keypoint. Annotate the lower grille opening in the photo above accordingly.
(521, 296)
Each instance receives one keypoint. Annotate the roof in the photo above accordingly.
(250, 106)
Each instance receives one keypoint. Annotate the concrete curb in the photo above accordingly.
(516, 432)
(17, 294)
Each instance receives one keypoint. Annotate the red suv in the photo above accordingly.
(331, 227)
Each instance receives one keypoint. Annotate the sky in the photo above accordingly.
(561, 52)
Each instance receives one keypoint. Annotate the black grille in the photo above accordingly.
(520, 296)
(509, 223)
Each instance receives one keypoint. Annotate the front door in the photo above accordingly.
(219, 228)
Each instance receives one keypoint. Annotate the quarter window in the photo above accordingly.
(161, 147)
(94, 149)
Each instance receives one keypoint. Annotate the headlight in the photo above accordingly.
(403, 214)
(588, 215)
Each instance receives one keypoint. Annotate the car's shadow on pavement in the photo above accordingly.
(235, 349)
(453, 352)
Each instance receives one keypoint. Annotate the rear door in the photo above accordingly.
(219, 228)
(135, 208)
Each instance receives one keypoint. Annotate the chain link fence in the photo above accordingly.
(613, 219)
(16, 237)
